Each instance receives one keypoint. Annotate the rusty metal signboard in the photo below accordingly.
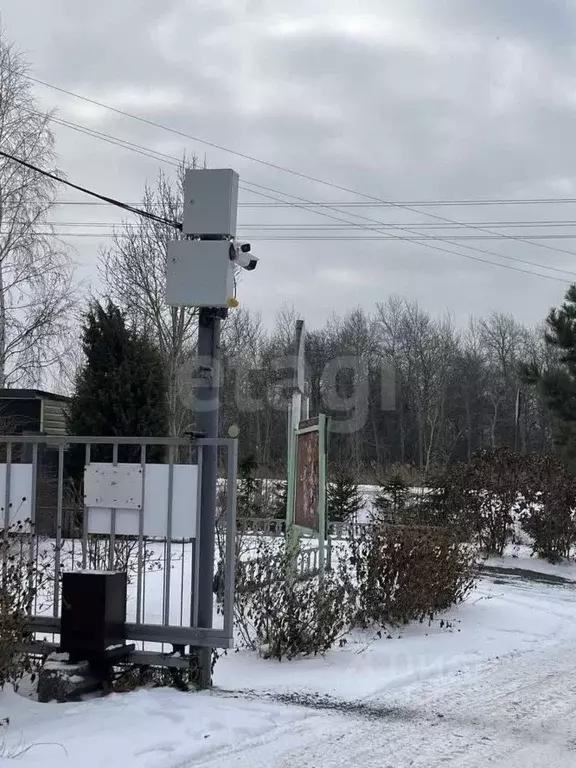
(306, 512)
(309, 476)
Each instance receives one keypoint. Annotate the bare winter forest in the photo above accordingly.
(400, 385)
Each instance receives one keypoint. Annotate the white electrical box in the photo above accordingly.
(199, 273)
(210, 202)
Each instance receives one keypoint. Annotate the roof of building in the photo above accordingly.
(31, 394)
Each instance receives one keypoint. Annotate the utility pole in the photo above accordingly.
(200, 273)
(207, 401)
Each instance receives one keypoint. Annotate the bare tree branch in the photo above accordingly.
(37, 290)
(133, 270)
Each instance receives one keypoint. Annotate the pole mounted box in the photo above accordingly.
(199, 273)
(210, 202)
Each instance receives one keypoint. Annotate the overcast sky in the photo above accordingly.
(418, 100)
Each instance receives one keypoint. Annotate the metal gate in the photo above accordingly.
(119, 503)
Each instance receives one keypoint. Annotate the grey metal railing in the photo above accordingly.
(42, 505)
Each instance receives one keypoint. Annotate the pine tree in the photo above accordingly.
(279, 500)
(248, 500)
(557, 382)
(393, 497)
(343, 498)
(121, 389)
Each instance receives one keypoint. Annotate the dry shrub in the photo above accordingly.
(485, 499)
(281, 614)
(126, 556)
(22, 577)
(479, 499)
(390, 576)
(549, 514)
(399, 574)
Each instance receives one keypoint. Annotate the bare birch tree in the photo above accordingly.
(505, 342)
(37, 293)
(134, 272)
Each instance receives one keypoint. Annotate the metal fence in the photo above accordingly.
(308, 561)
(273, 527)
(49, 516)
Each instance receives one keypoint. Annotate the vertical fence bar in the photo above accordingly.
(33, 534)
(144, 595)
(230, 569)
(57, 552)
(112, 551)
(195, 570)
(183, 565)
(85, 515)
(188, 460)
(7, 488)
(141, 559)
(166, 605)
(6, 515)
(34, 488)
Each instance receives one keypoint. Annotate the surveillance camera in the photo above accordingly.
(240, 254)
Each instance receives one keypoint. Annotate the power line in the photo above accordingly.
(123, 143)
(175, 162)
(110, 200)
(434, 203)
(260, 161)
(417, 203)
(355, 238)
(344, 227)
(448, 221)
(396, 237)
(109, 138)
(331, 227)
(435, 247)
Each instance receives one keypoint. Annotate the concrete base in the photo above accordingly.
(61, 681)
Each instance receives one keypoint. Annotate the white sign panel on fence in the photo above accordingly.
(20, 502)
(155, 502)
(106, 485)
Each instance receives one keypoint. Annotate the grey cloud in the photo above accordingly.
(471, 99)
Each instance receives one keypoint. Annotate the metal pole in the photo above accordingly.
(322, 527)
(207, 423)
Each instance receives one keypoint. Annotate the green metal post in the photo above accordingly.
(322, 422)
(291, 534)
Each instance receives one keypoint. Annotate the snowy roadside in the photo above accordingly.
(505, 660)
(501, 616)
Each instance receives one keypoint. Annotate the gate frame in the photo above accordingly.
(175, 635)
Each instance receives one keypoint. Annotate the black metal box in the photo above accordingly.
(93, 612)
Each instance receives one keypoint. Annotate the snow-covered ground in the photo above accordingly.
(494, 687)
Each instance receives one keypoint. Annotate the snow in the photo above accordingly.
(520, 556)
(144, 729)
(497, 619)
(493, 685)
